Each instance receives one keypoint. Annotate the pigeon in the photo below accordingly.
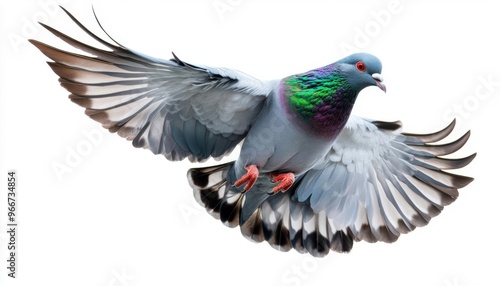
(309, 175)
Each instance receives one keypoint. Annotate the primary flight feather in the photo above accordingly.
(310, 175)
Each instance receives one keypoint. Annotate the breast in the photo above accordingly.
(277, 143)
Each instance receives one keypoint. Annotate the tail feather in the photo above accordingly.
(279, 219)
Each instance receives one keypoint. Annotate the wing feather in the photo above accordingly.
(377, 183)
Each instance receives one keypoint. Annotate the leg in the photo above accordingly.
(250, 177)
(285, 181)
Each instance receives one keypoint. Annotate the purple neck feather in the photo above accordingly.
(319, 100)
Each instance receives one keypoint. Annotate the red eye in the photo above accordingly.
(361, 66)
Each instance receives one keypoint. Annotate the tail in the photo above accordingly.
(279, 219)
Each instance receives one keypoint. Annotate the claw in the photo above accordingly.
(250, 177)
(285, 181)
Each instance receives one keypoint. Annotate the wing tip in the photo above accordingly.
(388, 125)
(460, 181)
(435, 136)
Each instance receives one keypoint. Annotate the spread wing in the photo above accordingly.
(167, 106)
(377, 183)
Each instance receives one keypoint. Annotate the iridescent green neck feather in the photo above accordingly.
(320, 99)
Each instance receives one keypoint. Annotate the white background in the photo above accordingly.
(121, 216)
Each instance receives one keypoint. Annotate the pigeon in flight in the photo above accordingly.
(309, 176)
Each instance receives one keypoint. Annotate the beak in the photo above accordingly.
(379, 81)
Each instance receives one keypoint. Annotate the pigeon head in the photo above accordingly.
(362, 70)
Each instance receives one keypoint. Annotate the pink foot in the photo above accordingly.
(250, 177)
(285, 181)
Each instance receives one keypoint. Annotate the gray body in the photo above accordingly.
(276, 143)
